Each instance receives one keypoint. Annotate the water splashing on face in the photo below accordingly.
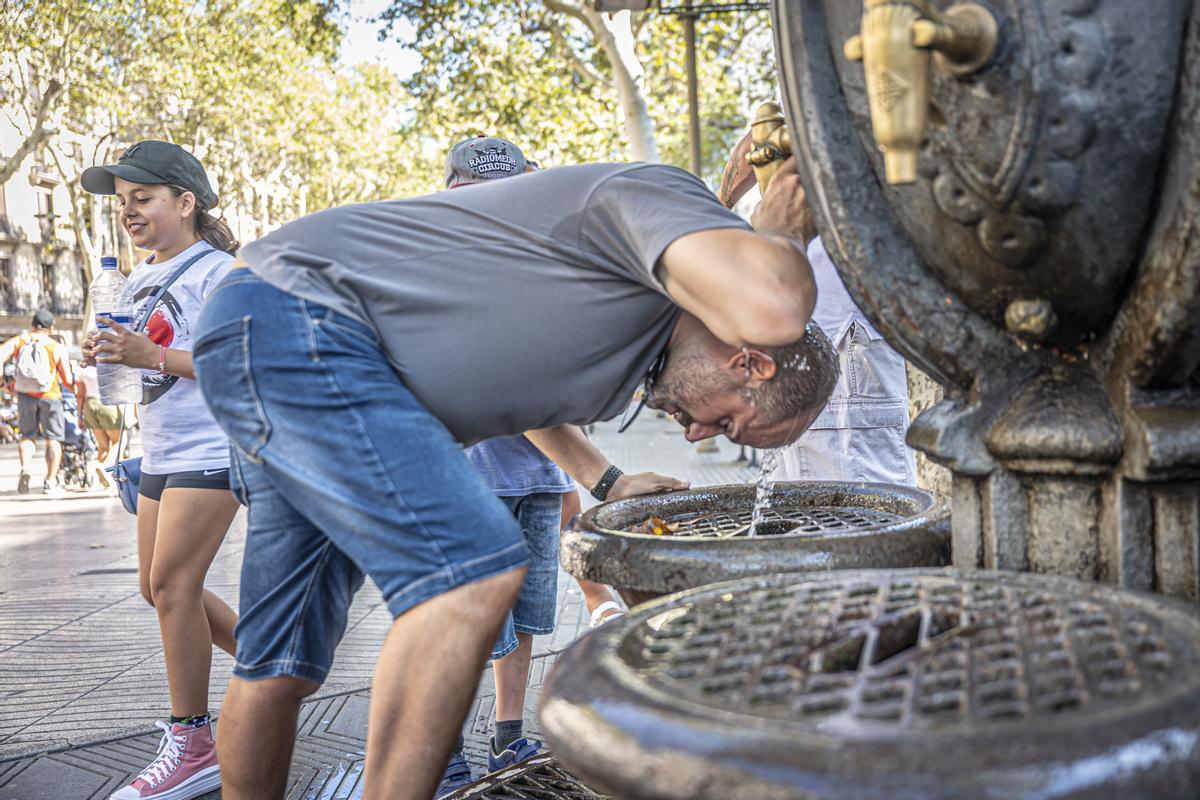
(762, 496)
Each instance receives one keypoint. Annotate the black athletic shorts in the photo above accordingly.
(152, 486)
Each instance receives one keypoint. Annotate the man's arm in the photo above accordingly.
(566, 446)
(749, 288)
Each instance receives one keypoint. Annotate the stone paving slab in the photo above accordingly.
(81, 671)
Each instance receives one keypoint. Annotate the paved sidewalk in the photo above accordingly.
(81, 669)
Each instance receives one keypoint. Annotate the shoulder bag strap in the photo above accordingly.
(141, 323)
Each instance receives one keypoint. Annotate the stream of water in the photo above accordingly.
(762, 494)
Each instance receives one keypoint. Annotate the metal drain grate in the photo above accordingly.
(907, 652)
(539, 778)
(727, 523)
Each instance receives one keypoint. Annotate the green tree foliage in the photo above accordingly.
(536, 71)
(251, 86)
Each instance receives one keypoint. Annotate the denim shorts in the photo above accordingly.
(540, 516)
(344, 473)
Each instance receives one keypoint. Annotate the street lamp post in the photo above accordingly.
(690, 12)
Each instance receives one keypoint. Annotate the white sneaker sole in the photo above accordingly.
(23, 483)
(202, 782)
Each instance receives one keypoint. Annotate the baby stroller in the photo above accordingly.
(8, 417)
(78, 446)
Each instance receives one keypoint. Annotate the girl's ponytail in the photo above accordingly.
(215, 231)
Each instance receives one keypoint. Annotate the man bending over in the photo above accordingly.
(401, 330)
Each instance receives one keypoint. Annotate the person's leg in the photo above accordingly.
(192, 524)
(25, 450)
(425, 682)
(53, 421)
(258, 732)
(104, 441)
(534, 613)
(595, 595)
(512, 676)
(53, 459)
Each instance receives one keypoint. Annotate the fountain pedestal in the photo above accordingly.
(1043, 265)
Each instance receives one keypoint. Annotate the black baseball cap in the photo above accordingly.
(154, 162)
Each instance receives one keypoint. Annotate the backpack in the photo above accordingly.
(35, 372)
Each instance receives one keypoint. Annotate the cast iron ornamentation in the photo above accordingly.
(1043, 264)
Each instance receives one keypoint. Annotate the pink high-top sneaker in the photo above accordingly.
(186, 766)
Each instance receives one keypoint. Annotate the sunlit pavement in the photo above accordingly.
(81, 667)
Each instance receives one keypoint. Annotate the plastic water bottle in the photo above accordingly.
(118, 383)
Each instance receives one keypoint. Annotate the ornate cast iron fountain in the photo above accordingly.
(1011, 192)
(1027, 236)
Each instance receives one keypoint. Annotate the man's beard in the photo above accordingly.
(688, 384)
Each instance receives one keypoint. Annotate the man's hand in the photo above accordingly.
(784, 208)
(644, 483)
(738, 176)
(119, 345)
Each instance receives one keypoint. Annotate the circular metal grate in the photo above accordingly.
(723, 512)
(538, 778)
(909, 651)
(906, 684)
(725, 523)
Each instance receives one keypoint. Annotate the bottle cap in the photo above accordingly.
(108, 262)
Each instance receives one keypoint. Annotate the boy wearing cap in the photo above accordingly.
(42, 371)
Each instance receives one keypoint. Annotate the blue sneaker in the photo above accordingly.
(516, 752)
(456, 776)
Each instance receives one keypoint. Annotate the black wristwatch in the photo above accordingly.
(604, 485)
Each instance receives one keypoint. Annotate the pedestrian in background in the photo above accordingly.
(103, 421)
(42, 369)
(184, 503)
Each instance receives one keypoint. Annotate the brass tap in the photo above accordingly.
(895, 46)
(772, 144)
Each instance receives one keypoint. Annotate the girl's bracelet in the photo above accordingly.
(162, 359)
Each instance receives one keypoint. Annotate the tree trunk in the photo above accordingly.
(614, 32)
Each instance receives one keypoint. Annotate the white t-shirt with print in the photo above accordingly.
(179, 433)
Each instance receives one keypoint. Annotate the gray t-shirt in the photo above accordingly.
(509, 305)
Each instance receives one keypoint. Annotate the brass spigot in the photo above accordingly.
(895, 46)
(772, 144)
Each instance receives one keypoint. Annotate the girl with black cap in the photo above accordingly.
(185, 505)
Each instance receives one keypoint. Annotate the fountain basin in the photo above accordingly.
(860, 684)
(808, 526)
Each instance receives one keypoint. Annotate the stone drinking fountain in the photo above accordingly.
(1010, 190)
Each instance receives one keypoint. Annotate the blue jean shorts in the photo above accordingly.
(539, 515)
(344, 473)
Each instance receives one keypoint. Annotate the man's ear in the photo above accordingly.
(752, 365)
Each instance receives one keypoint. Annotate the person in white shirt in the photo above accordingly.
(185, 504)
(859, 436)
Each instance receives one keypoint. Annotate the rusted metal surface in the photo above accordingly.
(538, 778)
(808, 526)
(901, 684)
(1044, 267)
